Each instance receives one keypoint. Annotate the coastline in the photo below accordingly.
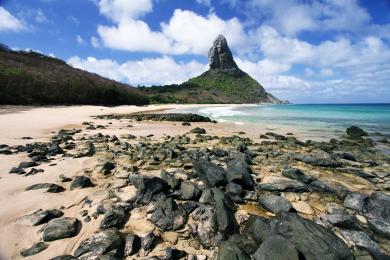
(41, 124)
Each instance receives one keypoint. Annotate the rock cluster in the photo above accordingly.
(208, 197)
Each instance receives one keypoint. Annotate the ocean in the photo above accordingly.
(331, 118)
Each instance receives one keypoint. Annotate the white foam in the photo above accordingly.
(221, 111)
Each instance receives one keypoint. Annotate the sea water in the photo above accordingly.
(373, 118)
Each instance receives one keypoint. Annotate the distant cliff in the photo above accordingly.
(31, 78)
(224, 83)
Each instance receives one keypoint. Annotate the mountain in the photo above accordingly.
(224, 82)
(31, 78)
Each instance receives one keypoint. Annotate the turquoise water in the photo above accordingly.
(317, 117)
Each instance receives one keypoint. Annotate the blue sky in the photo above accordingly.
(328, 51)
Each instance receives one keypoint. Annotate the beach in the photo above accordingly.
(144, 145)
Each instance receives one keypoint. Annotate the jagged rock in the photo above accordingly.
(100, 243)
(220, 56)
(212, 174)
(48, 187)
(198, 130)
(378, 213)
(35, 249)
(238, 171)
(206, 229)
(355, 132)
(282, 184)
(274, 203)
(298, 175)
(224, 213)
(189, 191)
(24, 165)
(310, 239)
(148, 242)
(148, 187)
(170, 179)
(355, 201)
(363, 241)
(276, 247)
(341, 220)
(237, 247)
(17, 170)
(174, 254)
(60, 228)
(169, 215)
(40, 217)
(114, 217)
(132, 244)
(81, 182)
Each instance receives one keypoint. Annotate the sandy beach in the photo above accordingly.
(20, 126)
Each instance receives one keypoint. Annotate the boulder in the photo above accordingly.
(276, 247)
(60, 228)
(282, 184)
(48, 187)
(34, 249)
(378, 213)
(64, 257)
(224, 213)
(189, 191)
(237, 247)
(355, 132)
(81, 182)
(274, 203)
(206, 230)
(170, 179)
(115, 217)
(341, 220)
(132, 244)
(100, 243)
(198, 130)
(212, 174)
(169, 215)
(174, 254)
(148, 242)
(355, 201)
(40, 217)
(297, 174)
(148, 187)
(238, 171)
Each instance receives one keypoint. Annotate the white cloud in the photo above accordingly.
(95, 42)
(185, 33)
(122, 10)
(164, 70)
(79, 40)
(204, 2)
(326, 72)
(8, 22)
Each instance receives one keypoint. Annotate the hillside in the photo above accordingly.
(223, 83)
(31, 78)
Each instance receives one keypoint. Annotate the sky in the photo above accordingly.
(305, 51)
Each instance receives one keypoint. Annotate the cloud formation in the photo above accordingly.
(8, 22)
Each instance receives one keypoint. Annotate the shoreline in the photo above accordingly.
(131, 144)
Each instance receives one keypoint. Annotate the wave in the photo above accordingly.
(221, 111)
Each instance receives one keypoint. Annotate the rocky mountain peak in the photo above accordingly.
(220, 56)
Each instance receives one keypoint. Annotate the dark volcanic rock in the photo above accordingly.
(148, 242)
(237, 247)
(355, 132)
(220, 56)
(48, 187)
(64, 257)
(206, 230)
(100, 243)
(355, 200)
(189, 191)
(148, 187)
(311, 240)
(315, 160)
(212, 174)
(60, 228)
(132, 244)
(298, 175)
(283, 184)
(174, 254)
(198, 130)
(276, 247)
(238, 171)
(23, 165)
(169, 215)
(224, 212)
(40, 217)
(170, 179)
(188, 117)
(114, 217)
(35, 249)
(378, 213)
(81, 182)
(341, 220)
(274, 203)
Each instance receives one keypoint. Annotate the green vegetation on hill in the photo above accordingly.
(212, 87)
(30, 78)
